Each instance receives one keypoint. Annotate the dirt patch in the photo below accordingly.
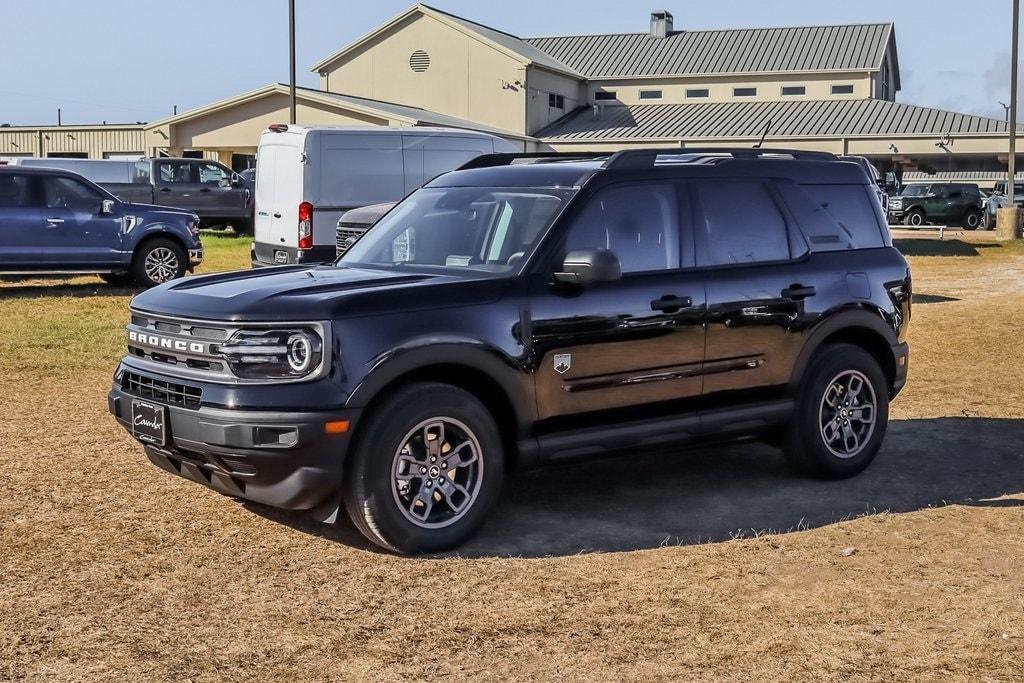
(709, 564)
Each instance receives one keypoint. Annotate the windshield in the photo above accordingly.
(478, 229)
(915, 190)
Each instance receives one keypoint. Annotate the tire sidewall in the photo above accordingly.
(139, 261)
(806, 439)
(914, 214)
(972, 215)
(369, 498)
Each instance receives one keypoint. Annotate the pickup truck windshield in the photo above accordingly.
(480, 229)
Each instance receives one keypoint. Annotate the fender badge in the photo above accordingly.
(563, 361)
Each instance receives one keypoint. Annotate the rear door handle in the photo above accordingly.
(165, 189)
(671, 304)
(798, 292)
(54, 221)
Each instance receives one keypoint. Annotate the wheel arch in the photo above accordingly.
(862, 328)
(154, 234)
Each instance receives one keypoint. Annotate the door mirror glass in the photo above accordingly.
(107, 207)
(587, 266)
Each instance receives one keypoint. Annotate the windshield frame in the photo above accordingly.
(568, 196)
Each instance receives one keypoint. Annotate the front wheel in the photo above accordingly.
(914, 218)
(841, 414)
(425, 470)
(158, 261)
(971, 219)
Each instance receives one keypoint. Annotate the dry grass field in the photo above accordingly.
(699, 565)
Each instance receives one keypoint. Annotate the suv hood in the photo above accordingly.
(309, 293)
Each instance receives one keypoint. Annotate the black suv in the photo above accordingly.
(525, 309)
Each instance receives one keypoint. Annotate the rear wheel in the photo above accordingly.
(158, 261)
(914, 218)
(841, 414)
(425, 471)
(971, 219)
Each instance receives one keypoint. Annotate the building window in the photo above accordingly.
(842, 89)
(744, 92)
(556, 101)
(650, 94)
(697, 92)
(604, 95)
(790, 90)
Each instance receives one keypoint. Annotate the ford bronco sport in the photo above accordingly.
(529, 308)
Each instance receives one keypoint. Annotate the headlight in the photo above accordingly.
(273, 354)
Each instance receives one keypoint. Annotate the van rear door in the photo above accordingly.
(278, 194)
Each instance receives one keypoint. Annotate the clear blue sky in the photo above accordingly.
(128, 60)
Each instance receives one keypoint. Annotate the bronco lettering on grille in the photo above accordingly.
(168, 343)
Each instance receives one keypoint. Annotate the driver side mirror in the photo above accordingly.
(107, 207)
(587, 266)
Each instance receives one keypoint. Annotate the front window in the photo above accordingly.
(460, 229)
(916, 190)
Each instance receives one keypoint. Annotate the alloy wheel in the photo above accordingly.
(436, 472)
(161, 265)
(847, 414)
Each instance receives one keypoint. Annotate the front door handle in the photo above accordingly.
(671, 304)
(798, 292)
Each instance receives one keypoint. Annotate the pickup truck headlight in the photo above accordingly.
(274, 354)
(193, 226)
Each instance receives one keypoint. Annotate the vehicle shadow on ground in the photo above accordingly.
(38, 289)
(714, 494)
(919, 246)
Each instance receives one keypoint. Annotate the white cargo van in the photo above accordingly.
(307, 177)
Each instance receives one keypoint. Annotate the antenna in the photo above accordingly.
(767, 128)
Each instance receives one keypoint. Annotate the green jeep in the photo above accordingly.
(940, 203)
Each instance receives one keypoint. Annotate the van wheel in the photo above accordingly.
(425, 470)
(971, 219)
(158, 261)
(914, 218)
(841, 414)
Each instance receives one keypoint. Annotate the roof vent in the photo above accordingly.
(419, 61)
(661, 23)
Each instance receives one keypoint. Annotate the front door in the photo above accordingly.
(639, 340)
(20, 235)
(76, 232)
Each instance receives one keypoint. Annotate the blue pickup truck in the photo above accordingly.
(55, 222)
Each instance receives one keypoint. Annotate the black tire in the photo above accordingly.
(987, 222)
(116, 279)
(372, 491)
(971, 219)
(168, 252)
(805, 442)
(914, 218)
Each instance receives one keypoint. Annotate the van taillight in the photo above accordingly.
(305, 225)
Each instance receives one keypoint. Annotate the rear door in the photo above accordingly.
(76, 233)
(221, 194)
(21, 237)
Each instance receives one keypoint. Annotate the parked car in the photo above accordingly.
(212, 191)
(55, 222)
(312, 175)
(508, 315)
(947, 203)
(998, 200)
(354, 223)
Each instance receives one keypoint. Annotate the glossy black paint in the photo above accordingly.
(655, 357)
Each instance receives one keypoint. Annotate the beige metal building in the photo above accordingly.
(817, 87)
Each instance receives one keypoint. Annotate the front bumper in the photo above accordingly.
(901, 356)
(195, 257)
(281, 459)
(262, 255)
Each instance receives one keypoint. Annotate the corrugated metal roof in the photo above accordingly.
(853, 47)
(816, 118)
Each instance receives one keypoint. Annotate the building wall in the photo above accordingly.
(91, 140)
(467, 77)
(541, 84)
(720, 88)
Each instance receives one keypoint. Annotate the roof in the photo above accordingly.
(503, 41)
(808, 118)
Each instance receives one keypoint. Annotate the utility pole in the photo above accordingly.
(1006, 111)
(58, 116)
(1010, 188)
(291, 58)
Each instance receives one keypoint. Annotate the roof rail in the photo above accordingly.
(508, 158)
(646, 158)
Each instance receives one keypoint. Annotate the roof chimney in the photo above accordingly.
(661, 23)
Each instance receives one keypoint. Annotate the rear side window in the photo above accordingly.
(739, 222)
(14, 191)
(835, 217)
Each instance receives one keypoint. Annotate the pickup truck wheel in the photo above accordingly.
(158, 261)
(971, 219)
(841, 414)
(425, 470)
(914, 218)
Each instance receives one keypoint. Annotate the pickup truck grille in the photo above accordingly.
(168, 393)
(347, 235)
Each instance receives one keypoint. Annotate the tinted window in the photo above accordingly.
(842, 89)
(835, 217)
(650, 94)
(556, 101)
(605, 95)
(14, 191)
(697, 92)
(740, 223)
(794, 90)
(68, 193)
(744, 92)
(176, 172)
(639, 223)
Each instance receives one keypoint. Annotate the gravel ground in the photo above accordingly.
(714, 563)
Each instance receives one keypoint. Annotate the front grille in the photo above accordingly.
(346, 236)
(170, 393)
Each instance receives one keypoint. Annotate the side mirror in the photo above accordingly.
(107, 207)
(587, 266)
